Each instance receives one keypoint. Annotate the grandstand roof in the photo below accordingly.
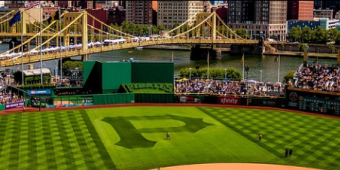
(36, 72)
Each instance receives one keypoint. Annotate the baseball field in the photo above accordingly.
(133, 138)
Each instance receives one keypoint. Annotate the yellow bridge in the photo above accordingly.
(206, 30)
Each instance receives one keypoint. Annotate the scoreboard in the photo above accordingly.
(313, 101)
(320, 105)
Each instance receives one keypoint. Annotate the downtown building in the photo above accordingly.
(260, 18)
(171, 12)
(141, 12)
(300, 10)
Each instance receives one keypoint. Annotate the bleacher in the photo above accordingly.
(148, 87)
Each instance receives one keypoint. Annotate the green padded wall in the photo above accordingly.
(87, 68)
(114, 74)
(93, 76)
(152, 72)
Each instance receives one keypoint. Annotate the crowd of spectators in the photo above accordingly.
(222, 87)
(10, 97)
(318, 77)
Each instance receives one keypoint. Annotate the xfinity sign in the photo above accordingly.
(38, 92)
(229, 100)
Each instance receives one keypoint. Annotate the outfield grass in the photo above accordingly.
(134, 138)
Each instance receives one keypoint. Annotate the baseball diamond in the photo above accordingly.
(134, 138)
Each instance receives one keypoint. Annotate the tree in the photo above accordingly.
(242, 33)
(319, 35)
(218, 73)
(139, 29)
(306, 34)
(155, 30)
(289, 76)
(332, 34)
(68, 65)
(295, 33)
(332, 47)
(175, 25)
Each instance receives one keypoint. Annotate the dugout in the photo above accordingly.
(106, 77)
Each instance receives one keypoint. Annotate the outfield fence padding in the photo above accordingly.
(113, 99)
(2, 107)
(155, 98)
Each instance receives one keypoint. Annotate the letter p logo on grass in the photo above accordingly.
(130, 137)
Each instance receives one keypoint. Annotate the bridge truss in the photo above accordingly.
(207, 29)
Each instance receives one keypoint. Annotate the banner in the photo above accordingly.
(15, 105)
(38, 92)
(229, 100)
(186, 99)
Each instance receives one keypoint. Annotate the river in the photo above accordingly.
(182, 60)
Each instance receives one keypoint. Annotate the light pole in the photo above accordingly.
(261, 76)
(225, 73)
(190, 73)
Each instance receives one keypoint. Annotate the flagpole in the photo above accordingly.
(278, 70)
(243, 67)
(22, 49)
(61, 59)
(41, 75)
(208, 66)
(172, 56)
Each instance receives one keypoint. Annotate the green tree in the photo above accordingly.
(155, 29)
(175, 25)
(337, 39)
(295, 33)
(289, 76)
(218, 73)
(68, 65)
(332, 47)
(332, 34)
(139, 29)
(306, 34)
(242, 33)
(319, 35)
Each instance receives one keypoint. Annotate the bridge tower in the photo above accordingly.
(206, 29)
(82, 25)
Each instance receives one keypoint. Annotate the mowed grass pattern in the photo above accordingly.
(51, 140)
(315, 140)
(85, 139)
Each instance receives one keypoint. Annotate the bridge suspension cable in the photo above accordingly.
(199, 24)
(29, 40)
(47, 41)
(183, 23)
(128, 35)
(230, 30)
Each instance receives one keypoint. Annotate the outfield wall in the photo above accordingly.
(106, 77)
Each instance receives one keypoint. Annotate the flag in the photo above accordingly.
(242, 58)
(208, 58)
(314, 61)
(305, 55)
(54, 16)
(276, 59)
(172, 57)
(16, 18)
(31, 4)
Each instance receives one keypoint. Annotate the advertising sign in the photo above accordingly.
(186, 99)
(15, 105)
(229, 100)
(38, 92)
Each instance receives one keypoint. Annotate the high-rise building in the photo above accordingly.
(260, 18)
(171, 12)
(141, 12)
(15, 4)
(300, 10)
(335, 5)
